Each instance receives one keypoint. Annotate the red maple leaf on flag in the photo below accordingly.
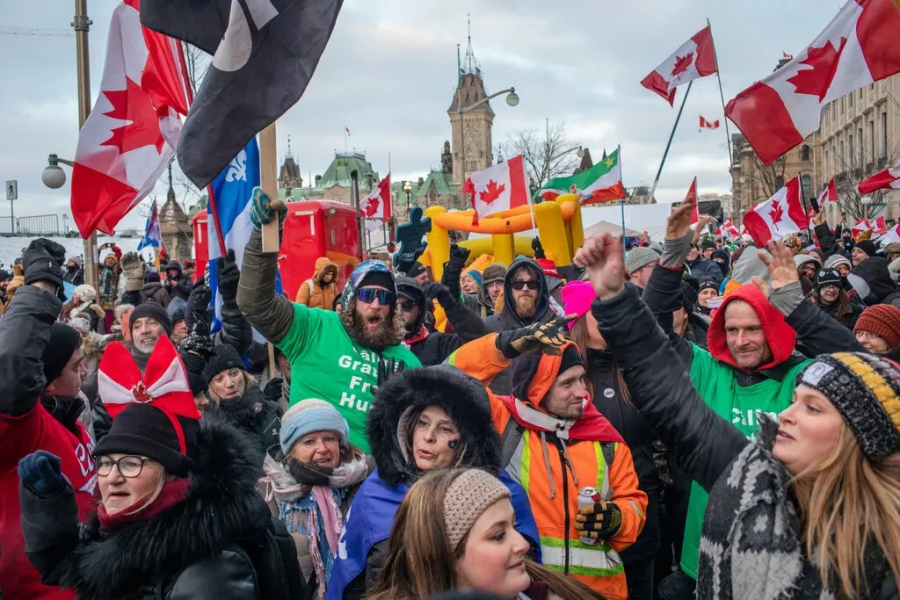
(681, 64)
(133, 105)
(371, 208)
(776, 214)
(817, 80)
(491, 192)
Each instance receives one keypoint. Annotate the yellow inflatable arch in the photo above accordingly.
(558, 222)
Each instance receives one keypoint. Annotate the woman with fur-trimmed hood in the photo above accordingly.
(84, 305)
(421, 420)
(178, 516)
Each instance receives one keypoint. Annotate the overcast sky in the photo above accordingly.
(388, 75)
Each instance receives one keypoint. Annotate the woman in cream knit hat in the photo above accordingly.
(455, 531)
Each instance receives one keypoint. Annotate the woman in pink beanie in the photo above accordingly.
(612, 399)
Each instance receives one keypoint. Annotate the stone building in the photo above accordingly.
(860, 135)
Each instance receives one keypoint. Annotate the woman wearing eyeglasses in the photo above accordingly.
(179, 515)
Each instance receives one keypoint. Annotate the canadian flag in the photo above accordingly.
(695, 58)
(778, 216)
(692, 193)
(706, 124)
(498, 188)
(861, 226)
(727, 229)
(376, 207)
(879, 227)
(133, 128)
(857, 48)
(892, 236)
(828, 195)
(883, 180)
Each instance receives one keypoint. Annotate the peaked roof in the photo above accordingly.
(344, 163)
(172, 218)
(472, 92)
(442, 182)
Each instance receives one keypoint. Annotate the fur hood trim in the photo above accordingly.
(222, 507)
(463, 397)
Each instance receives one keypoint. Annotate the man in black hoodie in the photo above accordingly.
(526, 300)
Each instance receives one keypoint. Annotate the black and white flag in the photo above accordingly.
(264, 54)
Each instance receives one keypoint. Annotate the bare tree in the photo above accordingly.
(546, 155)
(770, 177)
(198, 63)
(853, 170)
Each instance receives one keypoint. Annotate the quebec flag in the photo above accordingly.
(151, 231)
(229, 205)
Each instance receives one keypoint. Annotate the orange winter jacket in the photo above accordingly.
(312, 293)
(584, 453)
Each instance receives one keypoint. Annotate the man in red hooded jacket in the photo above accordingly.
(751, 364)
(41, 368)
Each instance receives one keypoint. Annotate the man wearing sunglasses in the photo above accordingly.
(526, 300)
(333, 356)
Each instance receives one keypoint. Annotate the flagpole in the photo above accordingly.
(268, 181)
(669, 144)
(622, 200)
(721, 94)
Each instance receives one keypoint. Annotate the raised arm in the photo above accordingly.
(236, 330)
(25, 328)
(819, 332)
(270, 313)
(701, 442)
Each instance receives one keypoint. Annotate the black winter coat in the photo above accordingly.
(184, 285)
(254, 416)
(438, 346)
(203, 548)
(700, 442)
(610, 401)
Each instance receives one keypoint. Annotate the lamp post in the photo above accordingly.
(407, 187)
(866, 201)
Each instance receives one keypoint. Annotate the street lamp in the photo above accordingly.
(866, 201)
(53, 176)
(407, 187)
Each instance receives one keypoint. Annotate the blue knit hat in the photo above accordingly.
(308, 416)
(474, 275)
(370, 272)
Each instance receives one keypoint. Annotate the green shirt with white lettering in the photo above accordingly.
(326, 363)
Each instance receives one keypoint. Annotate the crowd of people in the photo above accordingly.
(693, 417)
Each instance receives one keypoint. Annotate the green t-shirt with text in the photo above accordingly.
(326, 363)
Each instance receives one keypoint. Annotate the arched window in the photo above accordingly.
(804, 153)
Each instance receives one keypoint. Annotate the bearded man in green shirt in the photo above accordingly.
(336, 357)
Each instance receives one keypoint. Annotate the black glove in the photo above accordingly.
(599, 521)
(442, 293)
(228, 275)
(537, 338)
(43, 261)
(538, 249)
(40, 474)
(195, 318)
(459, 256)
(387, 369)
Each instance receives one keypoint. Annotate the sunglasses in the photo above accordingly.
(368, 296)
(406, 306)
(520, 285)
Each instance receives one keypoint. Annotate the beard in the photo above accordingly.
(526, 306)
(389, 332)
